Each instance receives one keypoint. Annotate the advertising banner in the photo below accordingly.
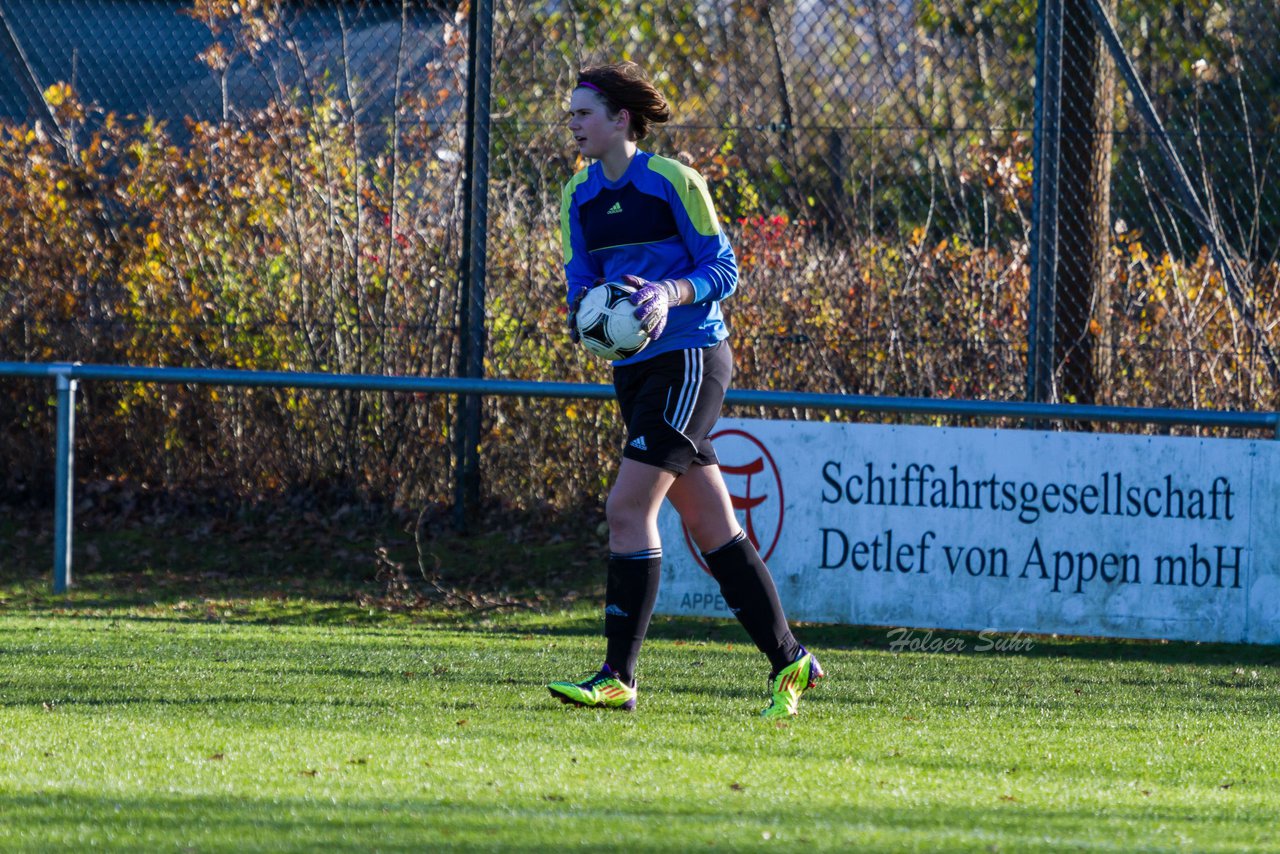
(1000, 530)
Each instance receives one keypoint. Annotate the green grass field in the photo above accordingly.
(149, 718)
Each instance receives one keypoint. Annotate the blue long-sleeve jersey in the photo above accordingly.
(657, 222)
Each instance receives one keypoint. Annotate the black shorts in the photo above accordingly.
(671, 402)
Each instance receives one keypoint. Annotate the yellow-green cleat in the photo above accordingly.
(789, 683)
(605, 690)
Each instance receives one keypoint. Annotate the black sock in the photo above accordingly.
(629, 596)
(748, 590)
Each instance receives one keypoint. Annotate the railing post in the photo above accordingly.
(64, 483)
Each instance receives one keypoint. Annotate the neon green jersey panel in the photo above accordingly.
(566, 205)
(693, 193)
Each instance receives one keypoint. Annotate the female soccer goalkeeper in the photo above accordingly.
(635, 217)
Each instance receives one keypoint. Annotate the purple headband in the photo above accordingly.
(591, 86)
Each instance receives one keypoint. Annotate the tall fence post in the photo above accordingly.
(64, 483)
(471, 319)
(1047, 157)
(1186, 192)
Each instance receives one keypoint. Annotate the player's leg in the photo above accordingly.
(704, 504)
(631, 586)
(660, 399)
(702, 500)
(633, 504)
(655, 453)
(635, 562)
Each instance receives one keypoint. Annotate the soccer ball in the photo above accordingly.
(607, 324)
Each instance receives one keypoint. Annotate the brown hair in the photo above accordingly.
(624, 86)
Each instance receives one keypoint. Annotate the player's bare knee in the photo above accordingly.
(623, 515)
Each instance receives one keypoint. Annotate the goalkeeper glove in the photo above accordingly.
(654, 301)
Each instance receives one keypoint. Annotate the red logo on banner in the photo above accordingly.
(755, 488)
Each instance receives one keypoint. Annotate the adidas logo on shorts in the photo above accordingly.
(638, 443)
(615, 611)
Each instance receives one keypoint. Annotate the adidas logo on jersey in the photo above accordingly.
(617, 208)
(638, 443)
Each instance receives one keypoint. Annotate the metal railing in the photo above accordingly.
(67, 376)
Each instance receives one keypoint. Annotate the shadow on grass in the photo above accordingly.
(220, 579)
(819, 636)
(583, 624)
(550, 820)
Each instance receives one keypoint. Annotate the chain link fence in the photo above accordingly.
(1187, 290)
(1156, 283)
(946, 198)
